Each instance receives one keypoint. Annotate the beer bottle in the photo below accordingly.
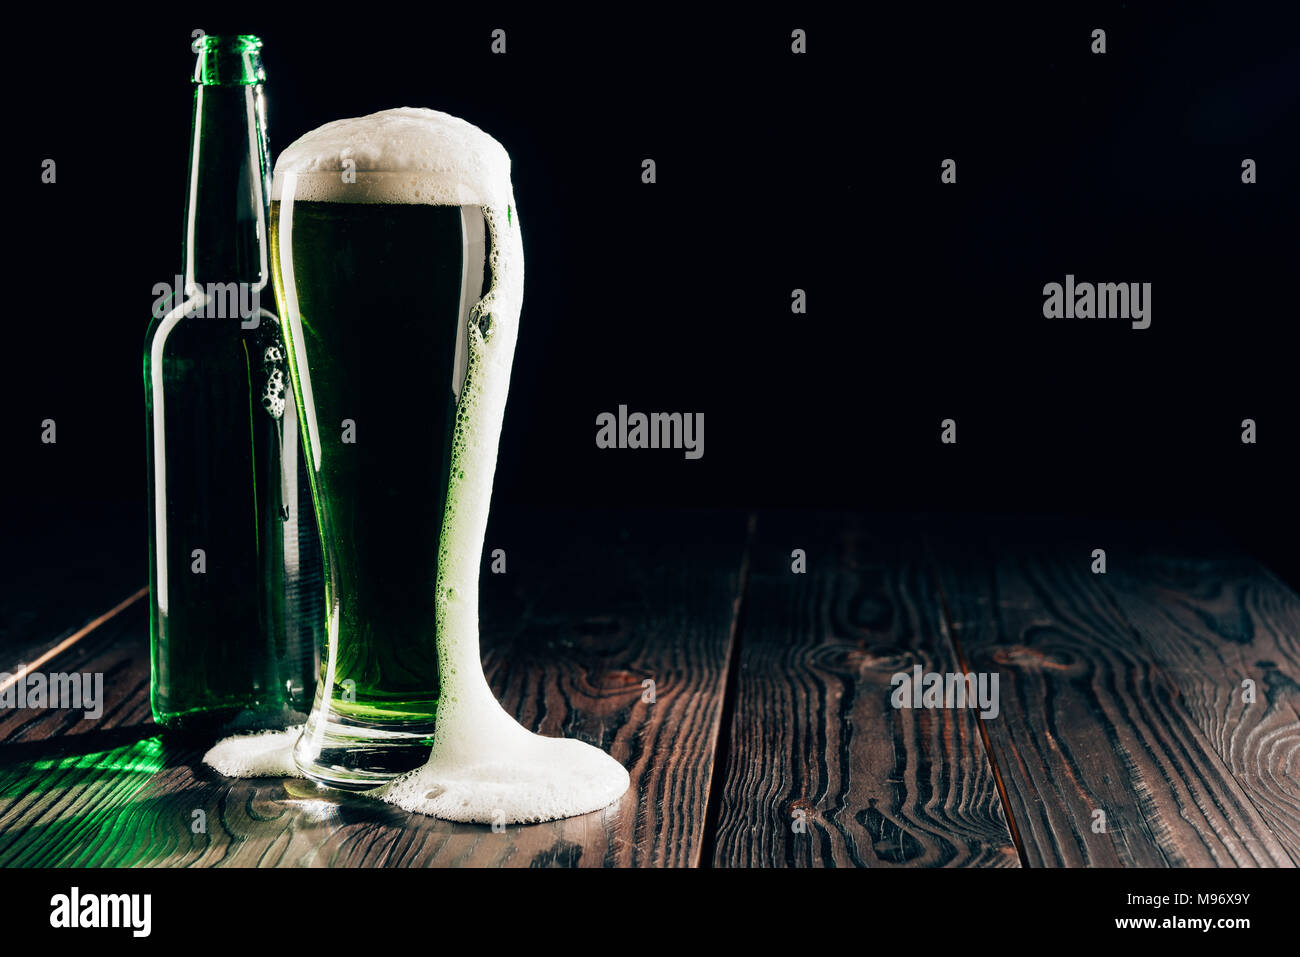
(234, 562)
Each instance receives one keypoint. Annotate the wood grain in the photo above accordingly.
(1212, 619)
(67, 779)
(814, 732)
(589, 609)
(1118, 692)
(1092, 719)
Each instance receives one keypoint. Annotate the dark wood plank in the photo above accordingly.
(1091, 718)
(590, 607)
(814, 729)
(65, 779)
(61, 571)
(1212, 618)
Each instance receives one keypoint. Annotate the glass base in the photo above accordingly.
(340, 752)
(219, 721)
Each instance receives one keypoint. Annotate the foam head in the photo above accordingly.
(407, 155)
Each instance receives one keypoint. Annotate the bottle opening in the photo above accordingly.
(228, 60)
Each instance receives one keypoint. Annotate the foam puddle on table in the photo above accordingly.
(490, 770)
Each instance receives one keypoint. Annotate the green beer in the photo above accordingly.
(378, 297)
(399, 268)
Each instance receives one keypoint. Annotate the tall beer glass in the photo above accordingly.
(398, 269)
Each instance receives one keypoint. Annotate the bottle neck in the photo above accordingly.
(229, 182)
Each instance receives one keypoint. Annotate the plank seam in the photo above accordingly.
(731, 689)
(948, 620)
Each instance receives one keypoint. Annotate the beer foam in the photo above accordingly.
(407, 155)
(484, 766)
(488, 769)
(268, 754)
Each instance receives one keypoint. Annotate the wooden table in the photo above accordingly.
(771, 739)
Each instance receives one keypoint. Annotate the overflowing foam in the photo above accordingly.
(406, 155)
(268, 754)
(484, 766)
(488, 769)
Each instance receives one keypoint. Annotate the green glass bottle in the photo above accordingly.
(234, 562)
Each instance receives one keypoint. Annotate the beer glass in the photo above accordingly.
(393, 298)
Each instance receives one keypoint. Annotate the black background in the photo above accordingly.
(513, 905)
(775, 171)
